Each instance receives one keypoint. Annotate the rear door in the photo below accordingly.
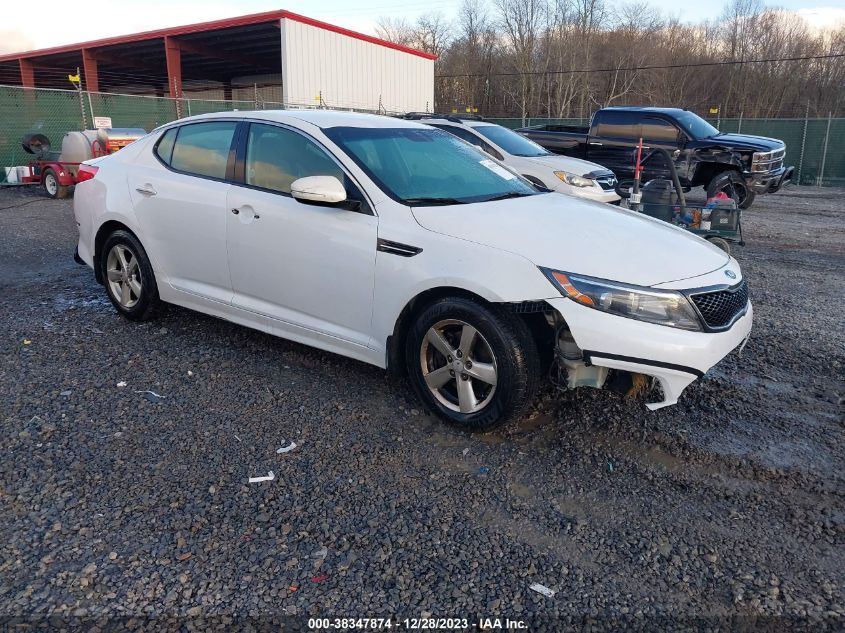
(309, 267)
(613, 139)
(179, 194)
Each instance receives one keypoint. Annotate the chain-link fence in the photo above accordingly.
(813, 146)
(55, 112)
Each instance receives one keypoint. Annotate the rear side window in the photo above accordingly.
(203, 148)
(613, 124)
(275, 157)
(164, 147)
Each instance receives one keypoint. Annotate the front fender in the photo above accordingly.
(447, 262)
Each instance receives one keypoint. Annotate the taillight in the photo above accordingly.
(86, 172)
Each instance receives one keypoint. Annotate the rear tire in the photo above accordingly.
(475, 365)
(128, 277)
(51, 186)
(734, 185)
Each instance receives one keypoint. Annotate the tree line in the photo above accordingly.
(567, 58)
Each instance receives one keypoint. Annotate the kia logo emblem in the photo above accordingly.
(731, 274)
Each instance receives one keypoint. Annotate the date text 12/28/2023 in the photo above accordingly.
(416, 624)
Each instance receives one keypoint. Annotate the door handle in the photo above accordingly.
(255, 216)
(146, 190)
(594, 143)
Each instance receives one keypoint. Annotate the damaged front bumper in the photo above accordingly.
(770, 181)
(674, 357)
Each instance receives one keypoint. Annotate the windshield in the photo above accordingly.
(510, 141)
(695, 126)
(423, 167)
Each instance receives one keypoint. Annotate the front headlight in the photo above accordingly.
(574, 179)
(663, 307)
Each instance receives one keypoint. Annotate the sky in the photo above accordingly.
(57, 22)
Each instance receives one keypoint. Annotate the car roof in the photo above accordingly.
(318, 118)
(456, 121)
(647, 109)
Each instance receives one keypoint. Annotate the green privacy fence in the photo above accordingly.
(813, 146)
(55, 112)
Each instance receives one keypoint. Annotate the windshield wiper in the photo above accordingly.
(431, 201)
(510, 194)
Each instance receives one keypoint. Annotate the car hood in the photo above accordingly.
(746, 141)
(575, 235)
(572, 165)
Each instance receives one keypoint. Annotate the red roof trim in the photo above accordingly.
(358, 36)
(244, 20)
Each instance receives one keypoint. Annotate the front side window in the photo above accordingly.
(513, 143)
(659, 130)
(203, 148)
(427, 166)
(695, 126)
(276, 156)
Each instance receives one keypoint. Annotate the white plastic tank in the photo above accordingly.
(78, 146)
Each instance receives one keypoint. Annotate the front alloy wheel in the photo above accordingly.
(474, 364)
(458, 366)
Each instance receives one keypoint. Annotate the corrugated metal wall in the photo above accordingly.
(351, 73)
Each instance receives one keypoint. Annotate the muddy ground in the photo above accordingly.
(726, 509)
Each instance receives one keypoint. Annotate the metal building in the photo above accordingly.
(287, 57)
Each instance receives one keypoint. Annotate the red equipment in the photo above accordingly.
(58, 171)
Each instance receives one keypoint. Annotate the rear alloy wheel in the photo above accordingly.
(475, 365)
(128, 276)
(734, 186)
(52, 188)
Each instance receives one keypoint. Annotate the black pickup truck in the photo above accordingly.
(738, 164)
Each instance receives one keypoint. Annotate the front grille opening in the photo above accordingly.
(720, 309)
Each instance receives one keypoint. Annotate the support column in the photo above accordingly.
(89, 67)
(27, 73)
(227, 90)
(173, 55)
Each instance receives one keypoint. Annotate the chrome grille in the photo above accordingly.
(721, 308)
(608, 183)
(768, 161)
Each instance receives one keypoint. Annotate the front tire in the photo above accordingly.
(475, 365)
(734, 185)
(128, 277)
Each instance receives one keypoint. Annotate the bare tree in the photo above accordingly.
(564, 58)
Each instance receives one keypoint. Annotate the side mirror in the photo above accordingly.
(321, 190)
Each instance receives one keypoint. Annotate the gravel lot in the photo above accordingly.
(116, 503)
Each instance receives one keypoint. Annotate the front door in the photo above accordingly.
(309, 267)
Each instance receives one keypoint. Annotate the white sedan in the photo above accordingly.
(565, 174)
(397, 244)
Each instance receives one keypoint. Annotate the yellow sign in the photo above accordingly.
(74, 79)
(714, 110)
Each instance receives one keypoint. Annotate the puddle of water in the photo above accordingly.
(522, 491)
(67, 303)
